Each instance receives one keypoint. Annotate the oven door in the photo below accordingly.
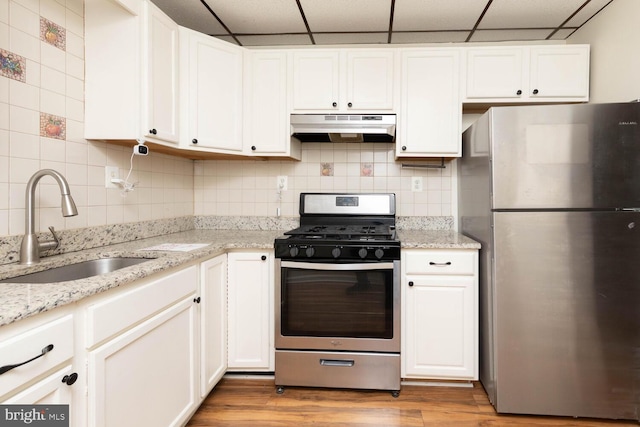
(337, 306)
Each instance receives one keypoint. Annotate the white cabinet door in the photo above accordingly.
(266, 105)
(250, 311)
(495, 73)
(213, 322)
(161, 74)
(559, 72)
(440, 314)
(370, 80)
(145, 376)
(431, 112)
(316, 80)
(131, 73)
(212, 86)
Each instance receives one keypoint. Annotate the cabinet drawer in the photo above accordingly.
(29, 344)
(114, 314)
(440, 262)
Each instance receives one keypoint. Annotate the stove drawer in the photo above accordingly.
(440, 261)
(375, 371)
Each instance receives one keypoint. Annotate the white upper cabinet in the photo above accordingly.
(132, 73)
(211, 104)
(430, 115)
(266, 105)
(554, 73)
(352, 80)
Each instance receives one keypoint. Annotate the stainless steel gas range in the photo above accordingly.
(337, 299)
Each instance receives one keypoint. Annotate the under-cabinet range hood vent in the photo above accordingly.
(343, 127)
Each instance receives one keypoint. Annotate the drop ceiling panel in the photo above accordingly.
(509, 35)
(191, 14)
(587, 12)
(562, 34)
(430, 15)
(429, 37)
(352, 15)
(528, 14)
(351, 38)
(259, 16)
(276, 40)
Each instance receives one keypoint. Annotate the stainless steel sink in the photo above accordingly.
(80, 270)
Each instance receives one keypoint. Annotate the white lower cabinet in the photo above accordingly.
(213, 322)
(251, 315)
(440, 314)
(145, 374)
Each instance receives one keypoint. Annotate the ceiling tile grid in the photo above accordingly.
(331, 22)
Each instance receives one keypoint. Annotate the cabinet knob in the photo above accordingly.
(519, 92)
(535, 91)
(253, 148)
(411, 283)
(153, 131)
(70, 379)
(404, 148)
(350, 105)
(196, 300)
(263, 257)
(194, 140)
(335, 104)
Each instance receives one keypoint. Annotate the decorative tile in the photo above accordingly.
(13, 66)
(53, 34)
(53, 126)
(326, 169)
(366, 169)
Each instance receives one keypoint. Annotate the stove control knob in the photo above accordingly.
(293, 251)
(362, 253)
(310, 251)
(379, 253)
(336, 252)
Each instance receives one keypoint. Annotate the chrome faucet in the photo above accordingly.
(31, 247)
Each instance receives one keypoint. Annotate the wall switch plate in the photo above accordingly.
(281, 183)
(416, 183)
(111, 172)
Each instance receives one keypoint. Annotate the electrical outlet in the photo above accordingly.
(281, 183)
(416, 183)
(111, 172)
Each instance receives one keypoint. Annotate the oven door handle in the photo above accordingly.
(348, 267)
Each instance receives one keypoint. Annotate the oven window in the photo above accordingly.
(356, 304)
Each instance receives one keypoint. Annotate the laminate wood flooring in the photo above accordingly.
(254, 402)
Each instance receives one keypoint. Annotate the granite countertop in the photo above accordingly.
(20, 300)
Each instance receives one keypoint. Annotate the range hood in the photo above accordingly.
(343, 127)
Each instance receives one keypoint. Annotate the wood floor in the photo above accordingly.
(254, 402)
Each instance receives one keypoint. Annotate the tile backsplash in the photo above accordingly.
(249, 187)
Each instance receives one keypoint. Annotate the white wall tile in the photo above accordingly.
(24, 44)
(24, 120)
(26, 20)
(24, 145)
(53, 80)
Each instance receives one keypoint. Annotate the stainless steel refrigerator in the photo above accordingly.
(553, 195)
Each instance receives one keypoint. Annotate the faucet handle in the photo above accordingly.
(55, 238)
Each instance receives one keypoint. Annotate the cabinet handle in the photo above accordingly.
(535, 91)
(440, 264)
(253, 148)
(519, 92)
(404, 148)
(70, 379)
(263, 257)
(411, 283)
(196, 300)
(335, 104)
(350, 105)
(153, 131)
(45, 350)
(194, 140)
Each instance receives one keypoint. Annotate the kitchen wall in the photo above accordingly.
(614, 35)
(41, 126)
(230, 187)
